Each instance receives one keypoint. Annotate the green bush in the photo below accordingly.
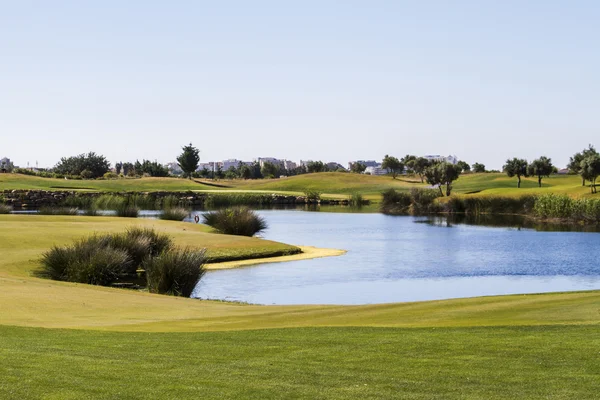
(5, 209)
(312, 196)
(235, 221)
(174, 214)
(176, 272)
(394, 202)
(423, 200)
(159, 242)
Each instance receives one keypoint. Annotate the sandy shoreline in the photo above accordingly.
(308, 252)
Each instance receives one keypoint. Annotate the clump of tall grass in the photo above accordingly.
(48, 210)
(423, 200)
(174, 214)
(235, 221)
(312, 196)
(107, 259)
(490, 204)
(357, 200)
(86, 261)
(216, 200)
(176, 272)
(5, 209)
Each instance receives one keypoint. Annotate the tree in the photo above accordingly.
(464, 167)
(245, 172)
(590, 170)
(433, 175)
(420, 165)
(409, 162)
(357, 168)
(315, 166)
(393, 165)
(118, 167)
(574, 165)
(94, 164)
(477, 167)
(540, 168)
(516, 167)
(188, 160)
(269, 170)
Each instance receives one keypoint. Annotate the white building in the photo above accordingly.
(366, 163)
(226, 164)
(275, 161)
(436, 157)
(376, 170)
(289, 165)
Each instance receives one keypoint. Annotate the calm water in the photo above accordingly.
(393, 259)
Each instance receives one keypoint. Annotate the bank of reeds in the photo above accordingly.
(217, 200)
(52, 210)
(235, 221)
(117, 258)
(563, 207)
(417, 201)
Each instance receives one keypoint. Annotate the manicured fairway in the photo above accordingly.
(544, 362)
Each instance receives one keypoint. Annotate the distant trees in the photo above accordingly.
(575, 161)
(516, 167)
(540, 167)
(315, 166)
(590, 170)
(270, 170)
(464, 166)
(444, 173)
(93, 164)
(357, 167)
(478, 167)
(393, 165)
(188, 160)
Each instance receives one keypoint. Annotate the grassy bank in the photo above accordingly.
(336, 363)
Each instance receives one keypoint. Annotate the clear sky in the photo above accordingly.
(331, 80)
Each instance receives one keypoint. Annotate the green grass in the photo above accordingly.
(309, 363)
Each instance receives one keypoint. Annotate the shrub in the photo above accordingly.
(5, 209)
(127, 211)
(174, 214)
(235, 221)
(394, 202)
(86, 174)
(176, 272)
(357, 200)
(109, 175)
(423, 199)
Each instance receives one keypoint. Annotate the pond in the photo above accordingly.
(396, 259)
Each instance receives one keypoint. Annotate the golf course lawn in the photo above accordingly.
(62, 340)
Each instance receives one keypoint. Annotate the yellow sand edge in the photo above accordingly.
(308, 252)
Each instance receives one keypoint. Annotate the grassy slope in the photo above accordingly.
(309, 363)
(330, 183)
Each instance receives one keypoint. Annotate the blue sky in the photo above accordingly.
(330, 80)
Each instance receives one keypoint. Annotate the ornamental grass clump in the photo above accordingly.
(176, 272)
(5, 209)
(174, 214)
(235, 221)
(58, 211)
(118, 258)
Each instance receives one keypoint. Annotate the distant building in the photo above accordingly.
(174, 168)
(366, 163)
(564, 171)
(6, 165)
(440, 158)
(289, 165)
(275, 161)
(235, 163)
(376, 170)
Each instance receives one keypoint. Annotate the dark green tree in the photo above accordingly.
(540, 167)
(464, 166)
(420, 165)
(94, 164)
(357, 167)
(590, 170)
(478, 167)
(315, 166)
(516, 167)
(433, 176)
(574, 164)
(393, 165)
(188, 160)
(245, 172)
(270, 170)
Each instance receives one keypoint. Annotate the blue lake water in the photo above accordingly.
(395, 259)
